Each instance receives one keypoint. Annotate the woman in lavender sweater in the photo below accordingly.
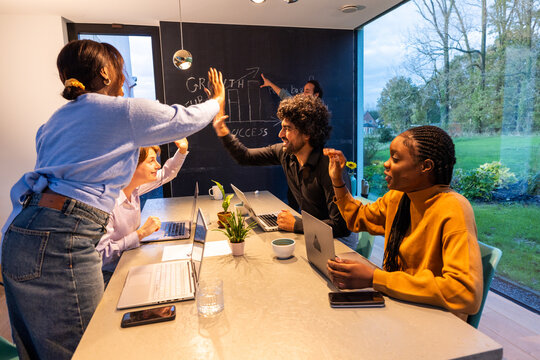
(86, 154)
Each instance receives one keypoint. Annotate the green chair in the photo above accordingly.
(490, 259)
(365, 244)
(8, 351)
(365, 239)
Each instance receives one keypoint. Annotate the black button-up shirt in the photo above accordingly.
(310, 184)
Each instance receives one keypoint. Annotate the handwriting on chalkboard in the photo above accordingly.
(243, 96)
(250, 132)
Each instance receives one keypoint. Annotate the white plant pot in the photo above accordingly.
(237, 248)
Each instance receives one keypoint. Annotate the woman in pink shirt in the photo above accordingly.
(123, 231)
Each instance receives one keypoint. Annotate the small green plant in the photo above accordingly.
(502, 175)
(480, 183)
(374, 174)
(236, 228)
(474, 184)
(226, 198)
(371, 147)
(385, 135)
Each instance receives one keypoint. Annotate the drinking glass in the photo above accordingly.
(210, 297)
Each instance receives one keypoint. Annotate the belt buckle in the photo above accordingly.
(27, 200)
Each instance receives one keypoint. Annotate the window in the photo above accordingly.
(140, 48)
(478, 78)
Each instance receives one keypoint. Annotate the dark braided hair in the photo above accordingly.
(424, 142)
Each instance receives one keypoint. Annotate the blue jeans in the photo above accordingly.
(351, 240)
(52, 276)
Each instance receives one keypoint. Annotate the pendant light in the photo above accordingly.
(182, 59)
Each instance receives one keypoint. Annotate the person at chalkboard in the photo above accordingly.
(304, 131)
(312, 87)
(123, 231)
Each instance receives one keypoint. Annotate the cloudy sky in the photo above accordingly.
(386, 44)
(385, 49)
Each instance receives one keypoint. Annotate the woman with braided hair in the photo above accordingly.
(431, 251)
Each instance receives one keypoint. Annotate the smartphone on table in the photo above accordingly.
(356, 299)
(149, 316)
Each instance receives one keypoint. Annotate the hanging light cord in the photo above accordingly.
(181, 33)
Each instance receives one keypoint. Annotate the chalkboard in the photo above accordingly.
(287, 56)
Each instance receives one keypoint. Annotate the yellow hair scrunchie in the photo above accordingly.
(74, 83)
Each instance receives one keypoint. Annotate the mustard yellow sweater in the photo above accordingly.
(440, 256)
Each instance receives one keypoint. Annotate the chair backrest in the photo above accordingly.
(365, 239)
(365, 244)
(490, 259)
(8, 351)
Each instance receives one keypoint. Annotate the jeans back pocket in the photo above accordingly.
(23, 251)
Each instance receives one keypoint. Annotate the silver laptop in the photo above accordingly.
(319, 242)
(166, 281)
(174, 230)
(267, 222)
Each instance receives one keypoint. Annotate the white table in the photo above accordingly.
(273, 309)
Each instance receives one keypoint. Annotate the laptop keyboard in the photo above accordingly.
(170, 280)
(269, 219)
(175, 229)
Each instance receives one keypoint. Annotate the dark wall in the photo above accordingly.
(287, 56)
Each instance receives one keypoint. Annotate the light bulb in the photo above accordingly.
(182, 59)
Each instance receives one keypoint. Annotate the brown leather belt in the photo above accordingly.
(52, 200)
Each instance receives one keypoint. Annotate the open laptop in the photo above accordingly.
(320, 244)
(267, 222)
(166, 281)
(174, 230)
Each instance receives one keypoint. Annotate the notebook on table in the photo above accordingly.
(166, 281)
(175, 230)
(267, 222)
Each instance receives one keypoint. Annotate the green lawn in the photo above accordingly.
(520, 153)
(514, 228)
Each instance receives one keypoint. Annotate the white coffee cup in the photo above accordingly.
(240, 207)
(215, 193)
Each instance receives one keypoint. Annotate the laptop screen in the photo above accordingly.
(194, 205)
(243, 198)
(199, 240)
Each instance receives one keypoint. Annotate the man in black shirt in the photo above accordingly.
(304, 131)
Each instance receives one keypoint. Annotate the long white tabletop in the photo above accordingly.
(273, 309)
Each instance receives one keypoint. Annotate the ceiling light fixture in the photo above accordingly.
(290, 1)
(258, 1)
(182, 59)
(351, 8)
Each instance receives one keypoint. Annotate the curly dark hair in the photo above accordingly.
(309, 115)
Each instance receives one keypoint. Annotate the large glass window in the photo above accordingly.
(472, 68)
(140, 49)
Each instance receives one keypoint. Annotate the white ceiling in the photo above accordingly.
(304, 13)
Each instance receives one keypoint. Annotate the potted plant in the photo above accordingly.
(223, 215)
(236, 230)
